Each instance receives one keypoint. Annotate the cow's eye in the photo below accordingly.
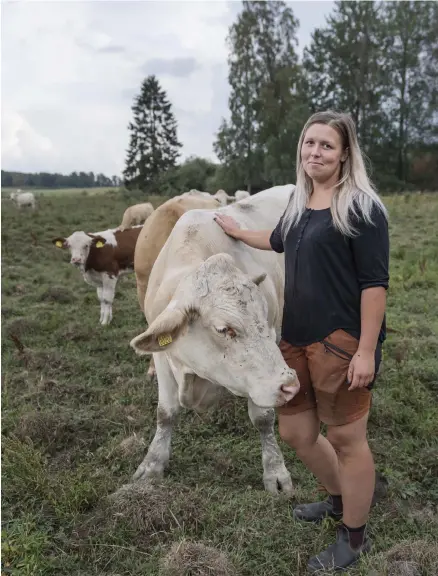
(227, 331)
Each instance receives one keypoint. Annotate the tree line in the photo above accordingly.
(376, 60)
(49, 180)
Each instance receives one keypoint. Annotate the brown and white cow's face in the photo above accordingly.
(79, 244)
(217, 327)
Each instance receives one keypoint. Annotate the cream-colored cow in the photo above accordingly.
(154, 234)
(214, 307)
(136, 214)
(241, 195)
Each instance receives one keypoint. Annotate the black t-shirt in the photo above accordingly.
(326, 272)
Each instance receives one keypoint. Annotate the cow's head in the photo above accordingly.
(217, 326)
(79, 244)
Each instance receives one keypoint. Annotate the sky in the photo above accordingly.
(70, 70)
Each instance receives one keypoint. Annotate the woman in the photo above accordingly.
(334, 234)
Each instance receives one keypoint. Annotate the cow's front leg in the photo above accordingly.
(151, 370)
(102, 307)
(276, 477)
(108, 292)
(158, 456)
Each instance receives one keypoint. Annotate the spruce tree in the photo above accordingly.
(153, 146)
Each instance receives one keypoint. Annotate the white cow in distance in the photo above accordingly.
(223, 197)
(214, 308)
(23, 199)
(241, 195)
(194, 192)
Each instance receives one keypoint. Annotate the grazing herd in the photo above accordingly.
(213, 308)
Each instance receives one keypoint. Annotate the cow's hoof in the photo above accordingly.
(279, 484)
(146, 474)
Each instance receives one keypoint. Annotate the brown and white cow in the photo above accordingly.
(102, 257)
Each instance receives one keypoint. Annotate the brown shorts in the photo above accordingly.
(322, 370)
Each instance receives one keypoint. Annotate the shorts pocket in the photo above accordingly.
(336, 350)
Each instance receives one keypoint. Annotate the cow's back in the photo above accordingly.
(156, 231)
(196, 237)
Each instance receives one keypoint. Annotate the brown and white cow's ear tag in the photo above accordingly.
(99, 244)
(164, 339)
(59, 243)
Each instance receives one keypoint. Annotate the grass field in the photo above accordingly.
(78, 415)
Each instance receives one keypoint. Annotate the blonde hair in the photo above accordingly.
(354, 194)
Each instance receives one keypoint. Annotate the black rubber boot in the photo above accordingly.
(340, 555)
(316, 511)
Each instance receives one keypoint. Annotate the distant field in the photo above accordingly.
(78, 414)
(58, 191)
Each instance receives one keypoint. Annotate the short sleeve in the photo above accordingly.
(276, 239)
(371, 251)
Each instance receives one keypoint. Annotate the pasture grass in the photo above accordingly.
(78, 414)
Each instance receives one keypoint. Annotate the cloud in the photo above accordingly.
(70, 71)
(179, 67)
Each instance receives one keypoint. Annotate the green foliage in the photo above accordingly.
(377, 61)
(413, 76)
(153, 145)
(347, 69)
(195, 173)
(267, 106)
(78, 415)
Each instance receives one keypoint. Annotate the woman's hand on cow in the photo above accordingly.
(361, 370)
(228, 224)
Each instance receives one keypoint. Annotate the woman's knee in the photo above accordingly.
(300, 431)
(347, 440)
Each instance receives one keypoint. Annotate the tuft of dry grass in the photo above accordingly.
(187, 558)
(131, 446)
(152, 508)
(408, 558)
(41, 428)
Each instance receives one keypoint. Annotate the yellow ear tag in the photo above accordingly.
(59, 243)
(164, 339)
(99, 244)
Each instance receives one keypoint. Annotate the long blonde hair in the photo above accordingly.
(354, 194)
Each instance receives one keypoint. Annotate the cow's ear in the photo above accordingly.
(259, 279)
(163, 331)
(98, 241)
(59, 242)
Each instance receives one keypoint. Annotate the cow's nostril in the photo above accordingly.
(289, 391)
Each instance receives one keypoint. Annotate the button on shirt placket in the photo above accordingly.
(303, 227)
(297, 247)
